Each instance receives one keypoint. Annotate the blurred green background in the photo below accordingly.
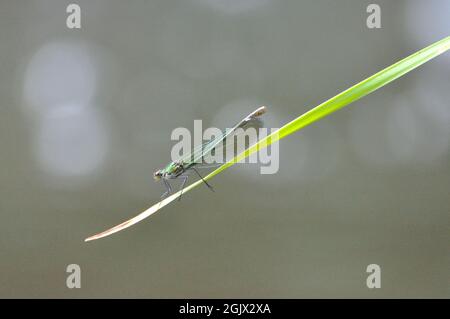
(86, 117)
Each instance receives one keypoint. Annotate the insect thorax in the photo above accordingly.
(174, 169)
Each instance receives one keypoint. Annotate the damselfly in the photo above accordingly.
(179, 169)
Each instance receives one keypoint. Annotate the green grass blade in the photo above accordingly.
(328, 107)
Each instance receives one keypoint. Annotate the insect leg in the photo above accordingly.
(184, 178)
(168, 188)
(206, 183)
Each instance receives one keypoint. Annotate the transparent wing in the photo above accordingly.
(226, 137)
(234, 143)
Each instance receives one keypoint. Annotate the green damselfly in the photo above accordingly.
(179, 169)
